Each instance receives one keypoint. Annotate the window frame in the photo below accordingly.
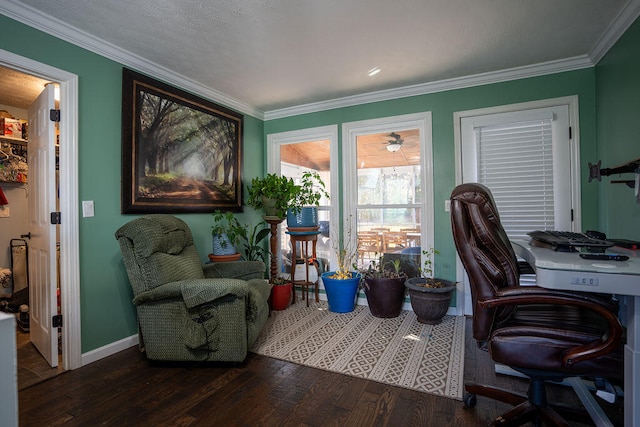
(351, 130)
(571, 102)
(276, 140)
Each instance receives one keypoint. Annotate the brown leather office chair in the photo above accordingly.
(545, 334)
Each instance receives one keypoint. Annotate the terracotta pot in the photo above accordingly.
(281, 296)
(385, 296)
(430, 304)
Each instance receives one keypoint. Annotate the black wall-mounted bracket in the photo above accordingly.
(597, 172)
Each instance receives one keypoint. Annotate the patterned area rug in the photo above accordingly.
(398, 351)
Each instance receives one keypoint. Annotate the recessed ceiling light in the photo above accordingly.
(372, 72)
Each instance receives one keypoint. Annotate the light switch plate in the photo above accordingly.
(4, 212)
(87, 208)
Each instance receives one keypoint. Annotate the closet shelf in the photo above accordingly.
(12, 140)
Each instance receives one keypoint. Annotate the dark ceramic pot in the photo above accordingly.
(430, 304)
(385, 296)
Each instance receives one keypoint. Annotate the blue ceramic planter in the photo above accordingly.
(341, 294)
(222, 245)
(306, 217)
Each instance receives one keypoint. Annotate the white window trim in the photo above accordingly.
(570, 101)
(276, 140)
(576, 199)
(351, 130)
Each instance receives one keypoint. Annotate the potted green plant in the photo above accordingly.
(430, 297)
(273, 193)
(225, 232)
(384, 287)
(250, 239)
(303, 207)
(342, 284)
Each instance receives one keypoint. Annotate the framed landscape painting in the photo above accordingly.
(180, 153)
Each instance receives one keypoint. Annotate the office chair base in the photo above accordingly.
(523, 410)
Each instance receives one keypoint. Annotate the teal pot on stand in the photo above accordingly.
(222, 245)
(305, 217)
(428, 303)
(341, 293)
(385, 296)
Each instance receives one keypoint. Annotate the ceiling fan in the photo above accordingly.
(395, 143)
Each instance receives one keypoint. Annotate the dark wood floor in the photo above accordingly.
(127, 390)
(32, 367)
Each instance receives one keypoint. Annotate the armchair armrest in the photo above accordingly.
(194, 292)
(536, 295)
(244, 270)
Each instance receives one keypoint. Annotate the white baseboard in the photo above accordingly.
(109, 349)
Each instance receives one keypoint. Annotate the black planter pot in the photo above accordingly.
(385, 296)
(429, 304)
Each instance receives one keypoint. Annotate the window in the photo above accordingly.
(388, 185)
(292, 153)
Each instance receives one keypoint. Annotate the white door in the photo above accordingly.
(525, 157)
(42, 246)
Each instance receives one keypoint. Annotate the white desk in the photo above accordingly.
(566, 270)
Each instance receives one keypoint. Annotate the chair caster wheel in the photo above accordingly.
(470, 400)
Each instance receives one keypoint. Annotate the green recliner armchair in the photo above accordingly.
(188, 311)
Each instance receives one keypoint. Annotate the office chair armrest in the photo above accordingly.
(604, 300)
(536, 295)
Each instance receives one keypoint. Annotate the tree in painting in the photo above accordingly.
(184, 153)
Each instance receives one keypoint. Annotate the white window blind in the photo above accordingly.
(515, 161)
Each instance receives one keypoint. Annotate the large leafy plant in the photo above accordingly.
(251, 241)
(225, 223)
(280, 189)
(308, 192)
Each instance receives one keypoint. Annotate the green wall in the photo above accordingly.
(107, 314)
(442, 106)
(618, 119)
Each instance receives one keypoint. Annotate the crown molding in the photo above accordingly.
(36, 19)
(625, 18)
(551, 67)
(54, 27)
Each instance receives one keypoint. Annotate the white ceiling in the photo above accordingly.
(270, 55)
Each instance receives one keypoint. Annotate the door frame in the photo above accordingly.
(576, 200)
(350, 132)
(69, 229)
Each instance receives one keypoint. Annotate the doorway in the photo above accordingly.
(23, 195)
(527, 154)
(388, 187)
(68, 230)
